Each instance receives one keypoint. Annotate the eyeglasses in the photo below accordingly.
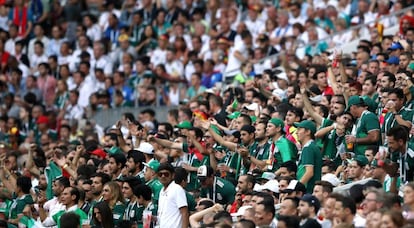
(165, 174)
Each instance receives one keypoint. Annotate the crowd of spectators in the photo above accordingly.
(269, 124)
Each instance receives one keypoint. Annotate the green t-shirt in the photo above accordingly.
(283, 150)
(406, 163)
(140, 176)
(366, 123)
(390, 121)
(118, 212)
(326, 122)
(83, 216)
(156, 187)
(18, 205)
(310, 156)
(221, 192)
(133, 212)
(331, 142)
(190, 201)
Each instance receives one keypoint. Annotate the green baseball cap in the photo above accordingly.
(277, 122)
(184, 125)
(114, 150)
(361, 160)
(153, 164)
(306, 124)
(354, 100)
(253, 118)
(233, 115)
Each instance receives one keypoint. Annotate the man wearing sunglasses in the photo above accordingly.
(172, 207)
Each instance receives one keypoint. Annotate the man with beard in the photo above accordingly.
(247, 149)
(111, 143)
(245, 184)
(98, 181)
(135, 164)
(397, 138)
(308, 208)
(54, 205)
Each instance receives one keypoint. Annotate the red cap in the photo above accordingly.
(99, 152)
(42, 119)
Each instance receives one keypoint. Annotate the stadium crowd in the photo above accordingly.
(269, 124)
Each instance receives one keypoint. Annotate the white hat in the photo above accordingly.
(149, 125)
(272, 185)
(146, 148)
(252, 107)
(331, 178)
(316, 98)
(241, 211)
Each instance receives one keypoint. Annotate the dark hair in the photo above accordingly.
(69, 220)
(223, 216)
(374, 149)
(297, 111)
(372, 79)
(105, 178)
(166, 166)
(268, 207)
(75, 191)
(246, 119)
(106, 215)
(25, 184)
(326, 186)
(132, 181)
(398, 133)
(330, 164)
(398, 92)
(206, 203)
(290, 166)
(119, 159)
(290, 221)
(168, 127)
(247, 223)
(347, 202)
(137, 156)
(144, 191)
(180, 175)
(64, 181)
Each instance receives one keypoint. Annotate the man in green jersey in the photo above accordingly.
(135, 164)
(310, 161)
(366, 130)
(281, 149)
(397, 114)
(215, 188)
(152, 180)
(133, 210)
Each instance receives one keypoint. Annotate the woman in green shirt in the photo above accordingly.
(113, 196)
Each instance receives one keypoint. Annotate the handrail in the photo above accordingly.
(301, 45)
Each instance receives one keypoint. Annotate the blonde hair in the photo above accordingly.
(115, 193)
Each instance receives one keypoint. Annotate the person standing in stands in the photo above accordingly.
(172, 207)
(366, 130)
(310, 161)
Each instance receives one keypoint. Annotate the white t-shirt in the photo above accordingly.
(171, 200)
(233, 66)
